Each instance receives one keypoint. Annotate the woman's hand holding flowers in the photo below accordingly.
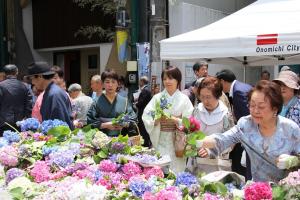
(110, 126)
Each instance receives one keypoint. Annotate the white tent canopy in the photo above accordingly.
(266, 32)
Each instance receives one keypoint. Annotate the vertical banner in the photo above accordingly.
(143, 58)
(122, 41)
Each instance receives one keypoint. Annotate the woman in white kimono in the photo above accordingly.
(162, 131)
(214, 117)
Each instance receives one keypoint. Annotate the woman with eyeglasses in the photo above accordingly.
(214, 117)
(271, 141)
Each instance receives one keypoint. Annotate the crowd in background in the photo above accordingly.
(248, 127)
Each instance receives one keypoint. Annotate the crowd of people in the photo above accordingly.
(249, 128)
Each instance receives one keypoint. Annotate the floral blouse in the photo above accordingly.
(263, 151)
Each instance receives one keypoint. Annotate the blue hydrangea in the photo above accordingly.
(3, 142)
(30, 124)
(185, 178)
(47, 150)
(48, 124)
(138, 188)
(11, 136)
(62, 158)
(24, 150)
(97, 175)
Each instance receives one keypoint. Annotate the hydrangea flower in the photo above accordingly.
(118, 146)
(138, 188)
(169, 193)
(153, 171)
(40, 172)
(208, 196)
(24, 150)
(108, 166)
(61, 158)
(48, 150)
(13, 173)
(185, 178)
(30, 124)
(48, 124)
(11, 136)
(71, 169)
(258, 190)
(8, 156)
(293, 179)
(145, 158)
(75, 148)
(3, 142)
(130, 169)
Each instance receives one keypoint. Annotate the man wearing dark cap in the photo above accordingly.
(55, 103)
(15, 99)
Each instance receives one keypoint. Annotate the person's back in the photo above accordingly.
(15, 101)
(83, 104)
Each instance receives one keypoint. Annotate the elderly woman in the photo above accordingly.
(162, 131)
(214, 117)
(289, 84)
(108, 106)
(265, 135)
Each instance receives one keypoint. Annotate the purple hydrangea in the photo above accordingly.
(11, 136)
(13, 173)
(145, 158)
(71, 169)
(117, 146)
(62, 158)
(75, 148)
(48, 150)
(24, 151)
(48, 124)
(30, 124)
(185, 178)
(97, 175)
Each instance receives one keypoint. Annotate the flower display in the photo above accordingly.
(138, 188)
(153, 171)
(9, 156)
(47, 150)
(122, 120)
(3, 142)
(258, 190)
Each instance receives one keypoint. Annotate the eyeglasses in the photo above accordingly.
(208, 98)
(252, 106)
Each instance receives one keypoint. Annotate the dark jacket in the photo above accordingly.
(240, 99)
(56, 105)
(15, 101)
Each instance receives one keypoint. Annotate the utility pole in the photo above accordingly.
(158, 31)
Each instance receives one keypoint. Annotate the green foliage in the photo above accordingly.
(17, 193)
(61, 133)
(278, 193)
(216, 188)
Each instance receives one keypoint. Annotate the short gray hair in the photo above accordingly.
(74, 87)
(96, 78)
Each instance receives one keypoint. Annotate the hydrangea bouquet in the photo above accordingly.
(160, 107)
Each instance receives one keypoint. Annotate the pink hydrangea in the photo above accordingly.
(293, 179)
(130, 169)
(148, 196)
(170, 193)
(258, 190)
(85, 173)
(104, 182)
(108, 166)
(153, 171)
(8, 156)
(208, 196)
(41, 172)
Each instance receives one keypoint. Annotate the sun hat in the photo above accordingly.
(288, 78)
(285, 68)
(39, 68)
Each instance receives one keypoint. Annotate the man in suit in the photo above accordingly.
(238, 96)
(15, 99)
(200, 70)
(143, 100)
